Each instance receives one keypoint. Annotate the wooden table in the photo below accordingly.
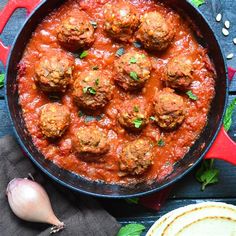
(187, 190)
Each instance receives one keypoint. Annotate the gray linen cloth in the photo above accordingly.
(82, 215)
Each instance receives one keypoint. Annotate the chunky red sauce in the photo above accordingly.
(102, 54)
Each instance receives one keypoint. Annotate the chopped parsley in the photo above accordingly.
(2, 78)
(95, 67)
(94, 24)
(136, 109)
(143, 56)
(137, 44)
(133, 60)
(191, 95)
(138, 123)
(91, 90)
(197, 3)
(97, 81)
(133, 75)
(80, 113)
(161, 143)
(83, 54)
(120, 52)
(131, 230)
(152, 118)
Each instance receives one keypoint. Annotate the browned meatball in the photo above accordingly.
(54, 120)
(90, 140)
(132, 69)
(134, 114)
(53, 73)
(155, 32)
(136, 157)
(179, 72)
(169, 109)
(121, 20)
(93, 89)
(76, 32)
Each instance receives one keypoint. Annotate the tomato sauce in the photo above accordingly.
(102, 54)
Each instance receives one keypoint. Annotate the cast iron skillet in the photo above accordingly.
(75, 182)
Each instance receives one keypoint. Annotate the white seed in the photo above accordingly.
(218, 17)
(225, 32)
(230, 56)
(234, 41)
(227, 24)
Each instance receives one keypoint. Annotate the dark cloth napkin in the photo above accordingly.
(82, 215)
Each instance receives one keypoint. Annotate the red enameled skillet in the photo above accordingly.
(212, 143)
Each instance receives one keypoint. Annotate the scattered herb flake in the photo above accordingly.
(191, 95)
(136, 109)
(80, 113)
(97, 81)
(137, 123)
(207, 174)
(152, 118)
(133, 75)
(83, 54)
(94, 24)
(95, 67)
(143, 56)
(161, 143)
(228, 115)
(131, 230)
(2, 78)
(120, 52)
(132, 200)
(137, 44)
(197, 3)
(133, 60)
(91, 90)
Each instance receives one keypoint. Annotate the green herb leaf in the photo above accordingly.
(143, 56)
(161, 143)
(137, 123)
(137, 44)
(152, 118)
(95, 67)
(132, 200)
(94, 24)
(133, 60)
(207, 174)
(83, 54)
(197, 3)
(192, 96)
(91, 90)
(120, 52)
(136, 109)
(133, 75)
(131, 230)
(97, 81)
(228, 115)
(80, 113)
(2, 78)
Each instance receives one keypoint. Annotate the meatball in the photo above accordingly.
(121, 20)
(53, 73)
(90, 140)
(54, 120)
(169, 109)
(179, 72)
(76, 32)
(132, 69)
(136, 157)
(134, 114)
(155, 32)
(93, 89)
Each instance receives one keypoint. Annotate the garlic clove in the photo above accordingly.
(29, 201)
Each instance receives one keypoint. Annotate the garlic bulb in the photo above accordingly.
(29, 201)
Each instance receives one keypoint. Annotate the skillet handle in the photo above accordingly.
(224, 147)
(5, 15)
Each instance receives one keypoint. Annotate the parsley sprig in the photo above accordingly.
(131, 230)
